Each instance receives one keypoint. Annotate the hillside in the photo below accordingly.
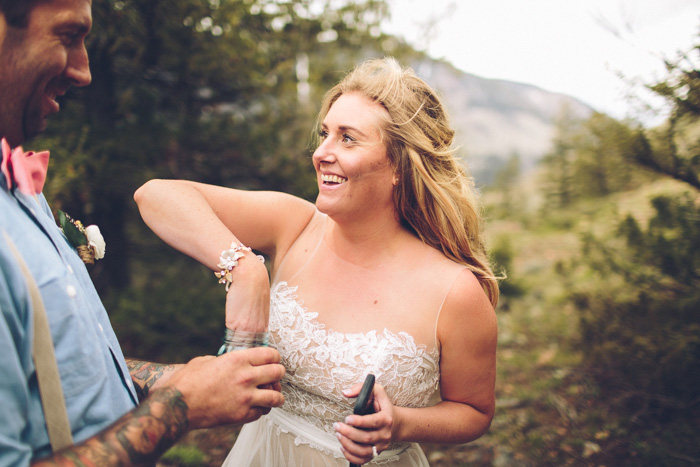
(495, 118)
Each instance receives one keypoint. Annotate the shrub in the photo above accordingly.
(640, 312)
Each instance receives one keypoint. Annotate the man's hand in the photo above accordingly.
(237, 387)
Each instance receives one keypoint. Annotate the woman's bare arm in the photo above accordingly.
(203, 220)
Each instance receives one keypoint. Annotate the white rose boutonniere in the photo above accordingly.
(88, 241)
(95, 240)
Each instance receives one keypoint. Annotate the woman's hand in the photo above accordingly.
(248, 298)
(359, 433)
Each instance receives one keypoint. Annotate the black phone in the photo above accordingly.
(365, 403)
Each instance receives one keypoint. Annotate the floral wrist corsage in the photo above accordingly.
(88, 241)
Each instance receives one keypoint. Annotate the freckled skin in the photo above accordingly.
(352, 148)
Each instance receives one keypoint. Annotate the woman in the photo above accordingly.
(386, 274)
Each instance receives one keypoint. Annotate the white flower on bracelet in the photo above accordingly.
(229, 260)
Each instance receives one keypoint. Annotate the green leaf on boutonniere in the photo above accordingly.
(70, 230)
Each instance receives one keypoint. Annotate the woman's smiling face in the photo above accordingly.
(353, 170)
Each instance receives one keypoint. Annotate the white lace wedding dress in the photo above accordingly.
(320, 363)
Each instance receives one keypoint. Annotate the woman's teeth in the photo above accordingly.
(333, 179)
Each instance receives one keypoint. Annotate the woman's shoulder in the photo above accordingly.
(467, 308)
(304, 232)
(435, 261)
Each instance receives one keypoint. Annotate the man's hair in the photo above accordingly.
(16, 12)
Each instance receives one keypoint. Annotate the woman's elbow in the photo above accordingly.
(147, 190)
(476, 425)
(485, 425)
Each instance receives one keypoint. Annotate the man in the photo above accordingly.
(42, 54)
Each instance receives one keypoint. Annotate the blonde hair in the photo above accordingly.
(435, 197)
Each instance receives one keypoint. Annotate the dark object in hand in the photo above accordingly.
(365, 403)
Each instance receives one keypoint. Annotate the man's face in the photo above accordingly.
(39, 63)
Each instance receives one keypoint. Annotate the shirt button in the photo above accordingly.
(71, 291)
(70, 269)
(100, 326)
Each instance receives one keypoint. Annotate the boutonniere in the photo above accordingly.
(88, 241)
(24, 170)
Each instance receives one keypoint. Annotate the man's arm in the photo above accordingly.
(146, 374)
(206, 392)
(138, 438)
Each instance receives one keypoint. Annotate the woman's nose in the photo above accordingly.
(324, 152)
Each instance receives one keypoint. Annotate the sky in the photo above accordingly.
(574, 47)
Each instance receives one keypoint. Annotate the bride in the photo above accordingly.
(386, 274)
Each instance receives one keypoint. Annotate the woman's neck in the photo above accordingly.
(368, 242)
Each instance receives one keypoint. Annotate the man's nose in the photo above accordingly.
(78, 69)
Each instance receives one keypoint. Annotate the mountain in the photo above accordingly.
(495, 119)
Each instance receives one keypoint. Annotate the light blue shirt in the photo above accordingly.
(95, 380)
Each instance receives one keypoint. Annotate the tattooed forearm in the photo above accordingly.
(155, 426)
(145, 374)
(138, 438)
(98, 453)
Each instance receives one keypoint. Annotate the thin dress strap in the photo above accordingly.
(317, 225)
(437, 318)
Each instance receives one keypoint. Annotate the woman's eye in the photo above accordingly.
(347, 139)
(323, 134)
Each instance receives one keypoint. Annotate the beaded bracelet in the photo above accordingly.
(229, 260)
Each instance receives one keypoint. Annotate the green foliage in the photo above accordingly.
(636, 286)
(677, 151)
(502, 254)
(505, 183)
(600, 167)
(607, 330)
(184, 456)
(171, 314)
(640, 312)
(70, 230)
(591, 159)
(558, 162)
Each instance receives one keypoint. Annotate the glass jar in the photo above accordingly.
(239, 340)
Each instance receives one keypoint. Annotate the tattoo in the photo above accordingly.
(138, 438)
(155, 426)
(97, 454)
(145, 374)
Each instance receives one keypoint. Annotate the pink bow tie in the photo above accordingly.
(26, 171)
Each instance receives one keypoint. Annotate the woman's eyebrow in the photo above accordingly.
(324, 126)
(353, 129)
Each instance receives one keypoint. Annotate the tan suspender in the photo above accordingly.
(47, 374)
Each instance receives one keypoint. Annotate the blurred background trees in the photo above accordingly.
(626, 197)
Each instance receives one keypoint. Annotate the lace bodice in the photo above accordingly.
(320, 362)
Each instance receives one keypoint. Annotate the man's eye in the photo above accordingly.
(72, 39)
